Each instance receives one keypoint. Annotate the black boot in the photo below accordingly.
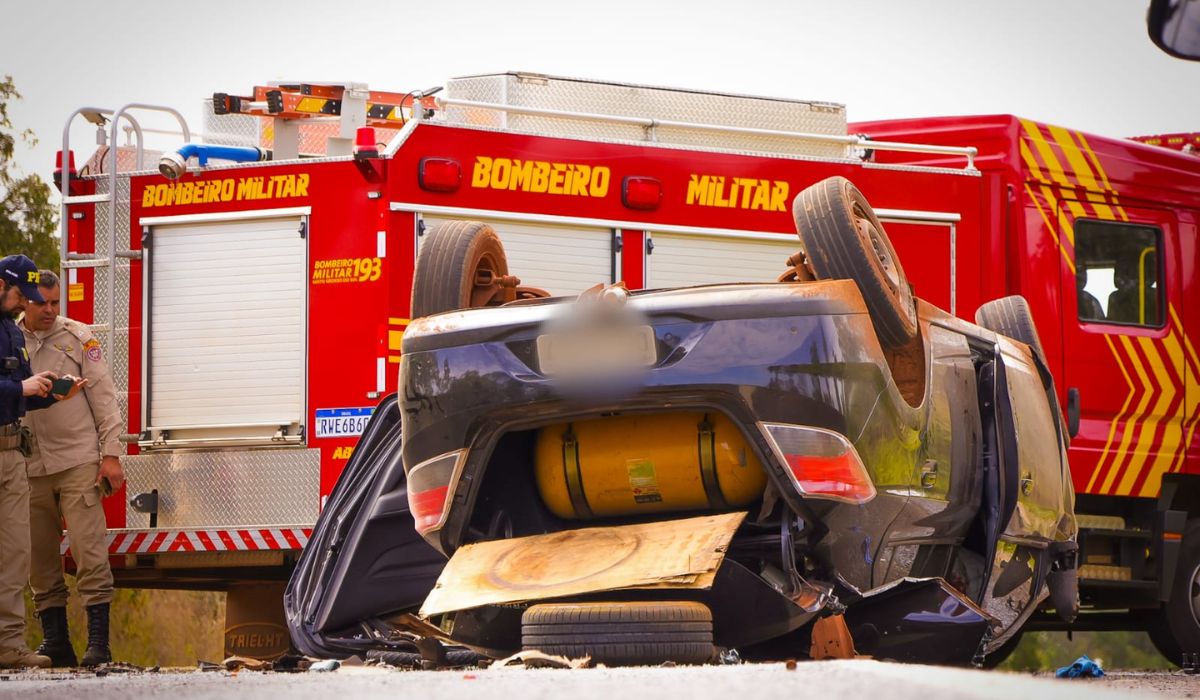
(97, 649)
(56, 640)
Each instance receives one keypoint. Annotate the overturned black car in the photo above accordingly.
(647, 476)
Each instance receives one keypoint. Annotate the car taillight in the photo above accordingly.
(822, 463)
(431, 488)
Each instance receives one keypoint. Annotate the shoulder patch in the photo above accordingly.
(92, 349)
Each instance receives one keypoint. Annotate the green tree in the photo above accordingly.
(28, 219)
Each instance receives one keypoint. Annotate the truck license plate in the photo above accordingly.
(342, 422)
(596, 352)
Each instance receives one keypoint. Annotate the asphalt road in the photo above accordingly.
(828, 680)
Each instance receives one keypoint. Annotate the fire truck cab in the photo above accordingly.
(251, 288)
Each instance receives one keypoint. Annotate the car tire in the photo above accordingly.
(451, 257)
(1010, 316)
(621, 634)
(843, 239)
(1178, 627)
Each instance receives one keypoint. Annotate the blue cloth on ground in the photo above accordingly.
(1082, 668)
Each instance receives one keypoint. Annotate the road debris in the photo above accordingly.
(535, 659)
(1082, 668)
(325, 666)
(292, 663)
(831, 639)
(236, 663)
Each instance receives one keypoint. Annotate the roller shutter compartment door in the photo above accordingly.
(563, 260)
(680, 260)
(227, 307)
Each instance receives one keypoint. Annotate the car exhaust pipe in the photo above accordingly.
(174, 164)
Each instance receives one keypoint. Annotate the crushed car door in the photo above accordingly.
(1036, 499)
(365, 558)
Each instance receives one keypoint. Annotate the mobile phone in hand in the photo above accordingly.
(62, 386)
(105, 486)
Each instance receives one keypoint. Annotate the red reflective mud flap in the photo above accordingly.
(831, 639)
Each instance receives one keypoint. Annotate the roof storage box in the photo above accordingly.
(669, 107)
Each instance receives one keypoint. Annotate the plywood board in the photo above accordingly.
(673, 554)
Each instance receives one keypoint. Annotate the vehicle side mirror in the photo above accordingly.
(1174, 27)
(1072, 411)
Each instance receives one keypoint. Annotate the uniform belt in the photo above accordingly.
(10, 442)
(10, 429)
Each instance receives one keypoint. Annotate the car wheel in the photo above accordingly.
(1178, 629)
(621, 634)
(843, 239)
(1010, 316)
(460, 265)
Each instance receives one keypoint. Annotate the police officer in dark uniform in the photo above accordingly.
(20, 390)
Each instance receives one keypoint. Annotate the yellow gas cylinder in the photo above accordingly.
(628, 465)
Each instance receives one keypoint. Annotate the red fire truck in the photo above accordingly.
(252, 305)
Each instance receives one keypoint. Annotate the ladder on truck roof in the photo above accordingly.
(291, 103)
(110, 263)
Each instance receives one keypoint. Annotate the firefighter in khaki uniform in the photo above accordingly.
(20, 390)
(75, 459)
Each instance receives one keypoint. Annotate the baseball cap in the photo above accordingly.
(20, 270)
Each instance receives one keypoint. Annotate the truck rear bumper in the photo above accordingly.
(157, 541)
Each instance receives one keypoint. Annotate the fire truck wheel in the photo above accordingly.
(844, 240)
(1010, 316)
(621, 634)
(459, 266)
(1178, 627)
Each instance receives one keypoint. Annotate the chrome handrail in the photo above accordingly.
(967, 152)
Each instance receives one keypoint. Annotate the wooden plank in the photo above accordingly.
(680, 554)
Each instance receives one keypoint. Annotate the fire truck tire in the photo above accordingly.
(843, 239)
(621, 634)
(452, 255)
(1177, 628)
(1010, 316)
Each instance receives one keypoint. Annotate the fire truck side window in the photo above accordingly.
(1117, 268)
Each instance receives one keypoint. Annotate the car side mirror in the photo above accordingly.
(1174, 27)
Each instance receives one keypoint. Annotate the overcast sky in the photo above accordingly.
(1085, 64)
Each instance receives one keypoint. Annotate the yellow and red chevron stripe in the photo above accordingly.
(1149, 435)
(396, 328)
(1148, 439)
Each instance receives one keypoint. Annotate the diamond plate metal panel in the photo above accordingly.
(118, 350)
(102, 217)
(113, 333)
(573, 95)
(122, 199)
(229, 129)
(230, 488)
